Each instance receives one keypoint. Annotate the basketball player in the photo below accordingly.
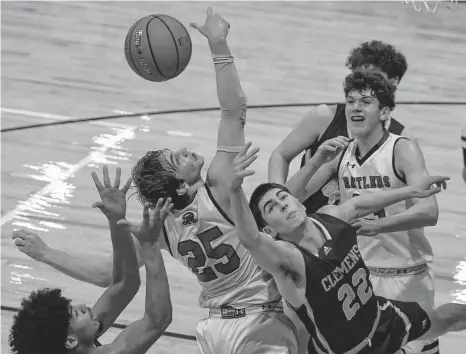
(47, 323)
(245, 307)
(393, 244)
(319, 271)
(325, 122)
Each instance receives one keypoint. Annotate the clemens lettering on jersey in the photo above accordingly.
(348, 263)
(367, 182)
(189, 218)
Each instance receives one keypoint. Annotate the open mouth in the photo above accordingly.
(357, 118)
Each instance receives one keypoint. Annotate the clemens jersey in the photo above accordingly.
(329, 193)
(340, 311)
(204, 239)
(373, 173)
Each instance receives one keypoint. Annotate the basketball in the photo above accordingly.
(158, 48)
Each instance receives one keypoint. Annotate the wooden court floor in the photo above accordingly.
(65, 59)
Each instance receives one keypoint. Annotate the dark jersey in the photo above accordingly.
(336, 128)
(340, 311)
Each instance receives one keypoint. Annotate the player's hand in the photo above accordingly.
(31, 244)
(240, 164)
(331, 148)
(215, 28)
(113, 199)
(150, 229)
(422, 189)
(365, 227)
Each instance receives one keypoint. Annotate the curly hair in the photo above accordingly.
(155, 178)
(256, 197)
(368, 79)
(381, 55)
(41, 325)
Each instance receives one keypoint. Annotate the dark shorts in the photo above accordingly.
(400, 322)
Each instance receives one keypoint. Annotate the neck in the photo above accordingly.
(82, 349)
(192, 192)
(306, 236)
(367, 142)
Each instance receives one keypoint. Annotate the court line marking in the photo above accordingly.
(59, 117)
(126, 132)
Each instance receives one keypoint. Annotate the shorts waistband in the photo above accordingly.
(229, 312)
(399, 271)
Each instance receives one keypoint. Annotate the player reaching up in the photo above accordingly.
(319, 270)
(245, 307)
(47, 322)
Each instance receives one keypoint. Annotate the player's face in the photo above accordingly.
(83, 324)
(363, 114)
(187, 164)
(281, 211)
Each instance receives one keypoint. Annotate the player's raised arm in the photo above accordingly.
(364, 205)
(268, 253)
(318, 170)
(90, 269)
(299, 139)
(140, 335)
(230, 137)
(125, 280)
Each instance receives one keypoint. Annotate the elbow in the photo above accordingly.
(166, 317)
(431, 216)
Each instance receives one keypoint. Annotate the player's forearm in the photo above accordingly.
(158, 307)
(125, 263)
(419, 215)
(90, 269)
(278, 168)
(246, 227)
(367, 204)
(231, 97)
(297, 184)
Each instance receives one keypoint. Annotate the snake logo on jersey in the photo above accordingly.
(203, 238)
(370, 174)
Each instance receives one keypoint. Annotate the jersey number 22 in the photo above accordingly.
(347, 295)
(199, 258)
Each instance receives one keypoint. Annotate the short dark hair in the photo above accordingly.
(381, 55)
(370, 79)
(41, 325)
(256, 197)
(154, 178)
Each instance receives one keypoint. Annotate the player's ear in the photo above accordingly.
(71, 342)
(394, 80)
(385, 115)
(268, 230)
(182, 189)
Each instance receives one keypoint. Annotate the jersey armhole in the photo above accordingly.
(339, 164)
(167, 243)
(220, 210)
(402, 179)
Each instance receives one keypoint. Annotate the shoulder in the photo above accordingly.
(406, 148)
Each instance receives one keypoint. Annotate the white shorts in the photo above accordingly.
(258, 333)
(415, 286)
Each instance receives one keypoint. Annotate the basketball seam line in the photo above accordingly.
(176, 46)
(150, 49)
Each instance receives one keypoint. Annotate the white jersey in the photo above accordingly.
(204, 239)
(373, 173)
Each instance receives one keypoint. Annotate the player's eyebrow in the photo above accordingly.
(270, 200)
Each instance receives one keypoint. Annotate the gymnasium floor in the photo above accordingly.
(65, 59)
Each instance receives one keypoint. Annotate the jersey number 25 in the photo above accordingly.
(199, 258)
